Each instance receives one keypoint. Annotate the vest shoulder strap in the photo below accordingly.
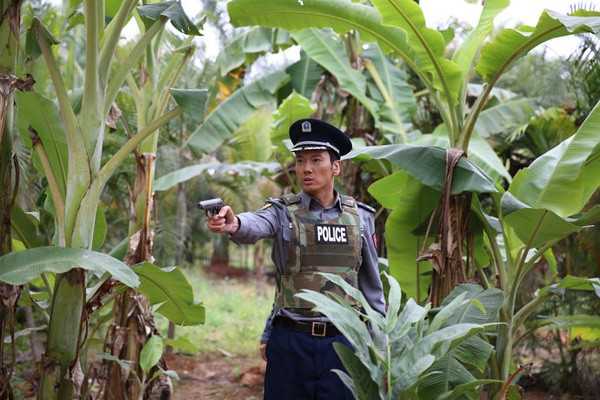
(366, 207)
(290, 198)
(348, 201)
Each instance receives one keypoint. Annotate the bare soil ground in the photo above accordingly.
(217, 376)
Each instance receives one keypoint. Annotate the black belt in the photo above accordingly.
(316, 328)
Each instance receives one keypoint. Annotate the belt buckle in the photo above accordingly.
(322, 329)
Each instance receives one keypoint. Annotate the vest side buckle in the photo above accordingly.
(319, 329)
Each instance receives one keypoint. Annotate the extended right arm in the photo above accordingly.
(257, 225)
(248, 227)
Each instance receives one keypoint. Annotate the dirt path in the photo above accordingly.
(218, 377)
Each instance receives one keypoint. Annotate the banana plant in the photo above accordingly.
(76, 176)
(133, 322)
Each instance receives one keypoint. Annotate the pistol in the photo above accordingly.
(211, 206)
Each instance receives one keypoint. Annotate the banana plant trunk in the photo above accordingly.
(447, 253)
(133, 320)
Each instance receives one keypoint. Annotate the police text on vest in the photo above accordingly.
(331, 234)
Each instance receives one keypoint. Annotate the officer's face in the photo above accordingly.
(315, 170)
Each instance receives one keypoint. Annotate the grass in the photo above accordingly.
(235, 316)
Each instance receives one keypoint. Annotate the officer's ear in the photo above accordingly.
(336, 166)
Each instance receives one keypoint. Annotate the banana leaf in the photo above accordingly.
(21, 267)
(563, 179)
(427, 45)
(326, 48)
(171, 291)
(511, 44)
(222, 123)
(305, 74)
(427, 164)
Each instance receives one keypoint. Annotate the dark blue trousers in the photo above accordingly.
(299, 367)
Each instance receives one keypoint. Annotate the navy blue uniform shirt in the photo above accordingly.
(274, 222)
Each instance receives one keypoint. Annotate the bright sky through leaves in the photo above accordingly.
(437, 13)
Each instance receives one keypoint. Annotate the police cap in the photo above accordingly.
(314, 134)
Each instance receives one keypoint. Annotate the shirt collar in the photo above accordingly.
(309, 202)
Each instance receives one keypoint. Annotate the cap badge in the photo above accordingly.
(306, 127)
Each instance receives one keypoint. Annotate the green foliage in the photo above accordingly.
(465, 55)
(100, 230)
(226, 119)
(252, 141)
(411, 203)
(409, 354)
(584, 70)
(576, 283)
(340, 15)
(563, 179)
(182, 345)
(305, 75)
(293, 108)
(251, 41)
(24, 266)
(26, 228)
(426, 45)
(151, 353)
(543, 205)
(391, 88)
(327, 49)
(427, 165)
(538, 226)
(507, 116)
(192, 101)
(40, 113)
(32, 47)
(546, 89)
(547, 130)
(480, 152)
(173, 178)
(170, 290)
(572, 321)
(171, 10)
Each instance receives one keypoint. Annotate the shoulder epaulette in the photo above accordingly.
(348, 201)
(366, 207)
(290, 198)
(276, 201)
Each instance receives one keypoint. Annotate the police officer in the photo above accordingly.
(317, 230)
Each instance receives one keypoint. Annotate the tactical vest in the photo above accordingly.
(332, 246)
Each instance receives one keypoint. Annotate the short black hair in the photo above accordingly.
(333, 156)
